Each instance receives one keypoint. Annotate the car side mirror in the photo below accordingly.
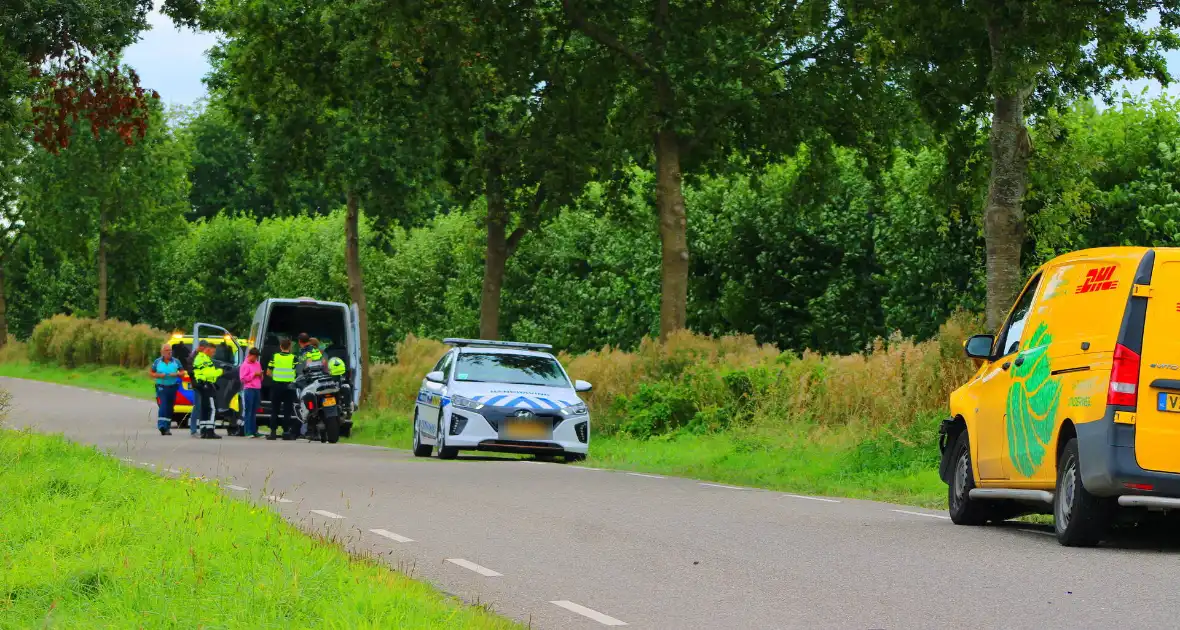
(980, 346)
(436, 377)
(582, 386)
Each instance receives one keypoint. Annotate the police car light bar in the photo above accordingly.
(462, 343)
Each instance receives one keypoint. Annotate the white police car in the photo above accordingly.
(502, 397)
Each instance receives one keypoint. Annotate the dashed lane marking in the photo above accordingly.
(801, 496)
(275, 499)
(941, 516)
(173, 471)
(717, 485)
(238, 488)
(471, 566)
(605, 620)
(326, 514)
(392, 536)
(148, 464)
(643, 475)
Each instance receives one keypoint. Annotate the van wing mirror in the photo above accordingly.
(582, 386)
(980, 346)
(436, 377)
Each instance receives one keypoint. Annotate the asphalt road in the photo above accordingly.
(569, 547)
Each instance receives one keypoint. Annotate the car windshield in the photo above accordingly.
(516, 369)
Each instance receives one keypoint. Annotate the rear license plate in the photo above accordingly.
(526, 430)
(329, 401)
(1169, 402)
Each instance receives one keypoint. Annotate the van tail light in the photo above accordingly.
(1124, 377)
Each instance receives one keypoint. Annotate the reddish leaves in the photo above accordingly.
(110, 98)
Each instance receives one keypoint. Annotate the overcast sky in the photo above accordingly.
(172, 61)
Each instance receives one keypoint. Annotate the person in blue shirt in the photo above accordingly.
(167, 371)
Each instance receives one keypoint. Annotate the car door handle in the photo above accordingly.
(1007, 364)
(1019, 361)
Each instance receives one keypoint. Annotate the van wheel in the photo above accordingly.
(963, 509)
(332, 429)
(1079, 518)
(420, 449)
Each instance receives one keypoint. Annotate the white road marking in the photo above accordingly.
(643, 475)
(605, 620)
(148, 464)
(392, 536)
(528, 461)
(129, 460)
(717, 485)
(173, 471)
(1038, 531)
(466, 564)
(942, 516)
(326, 514)
(800, 496)
(277, 499)
(233, 487)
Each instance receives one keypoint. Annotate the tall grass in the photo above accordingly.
(75, 341)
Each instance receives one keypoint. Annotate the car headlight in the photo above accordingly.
(462, 402)
(574, 410)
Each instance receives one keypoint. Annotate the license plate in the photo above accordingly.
(329, 401)
(526, 430)
(1169, 402)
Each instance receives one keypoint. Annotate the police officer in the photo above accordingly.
(281, 371)
(205, 375)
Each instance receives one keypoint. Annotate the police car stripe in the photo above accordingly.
(477, 398)
(495, 399)
(517, 402)
(550, 403)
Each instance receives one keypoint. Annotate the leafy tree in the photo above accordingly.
(1009, 60)
(125, 196)
(697, 81)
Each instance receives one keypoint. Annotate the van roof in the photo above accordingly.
(306, 300)
(1112, 252)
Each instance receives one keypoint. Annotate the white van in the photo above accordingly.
(335, 324)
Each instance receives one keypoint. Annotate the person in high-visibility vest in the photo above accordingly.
(205, 375)
(281, 371)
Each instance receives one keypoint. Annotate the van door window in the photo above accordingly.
(1010, 340)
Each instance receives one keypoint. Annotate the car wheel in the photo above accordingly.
(963, 509)
(420, 449)
(1080, 519)
(444, 451)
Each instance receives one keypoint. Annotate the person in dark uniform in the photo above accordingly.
(281, 371)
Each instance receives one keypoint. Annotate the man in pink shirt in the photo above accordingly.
(251, 375)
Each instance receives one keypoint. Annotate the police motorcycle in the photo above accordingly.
(318, 407)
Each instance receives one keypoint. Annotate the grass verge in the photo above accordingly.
(116, 380)
(89, 542)
(884, 463)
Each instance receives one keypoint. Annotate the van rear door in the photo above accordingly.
(354, 353)
(1157, 418)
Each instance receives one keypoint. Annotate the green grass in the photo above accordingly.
(886, 465)
(116, 380)
(87, 542)
(894, 466)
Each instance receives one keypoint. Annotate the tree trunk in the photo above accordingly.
(102, 266)
(496, 256)
(3, 303)
(673, 234)
(1003, 217)
(356, 283)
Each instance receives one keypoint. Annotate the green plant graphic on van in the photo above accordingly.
(1032, 404)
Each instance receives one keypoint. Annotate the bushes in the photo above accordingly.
(73, 341)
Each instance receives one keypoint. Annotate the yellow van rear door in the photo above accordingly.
(1157, 418)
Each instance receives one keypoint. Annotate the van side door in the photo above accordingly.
(991, 427)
